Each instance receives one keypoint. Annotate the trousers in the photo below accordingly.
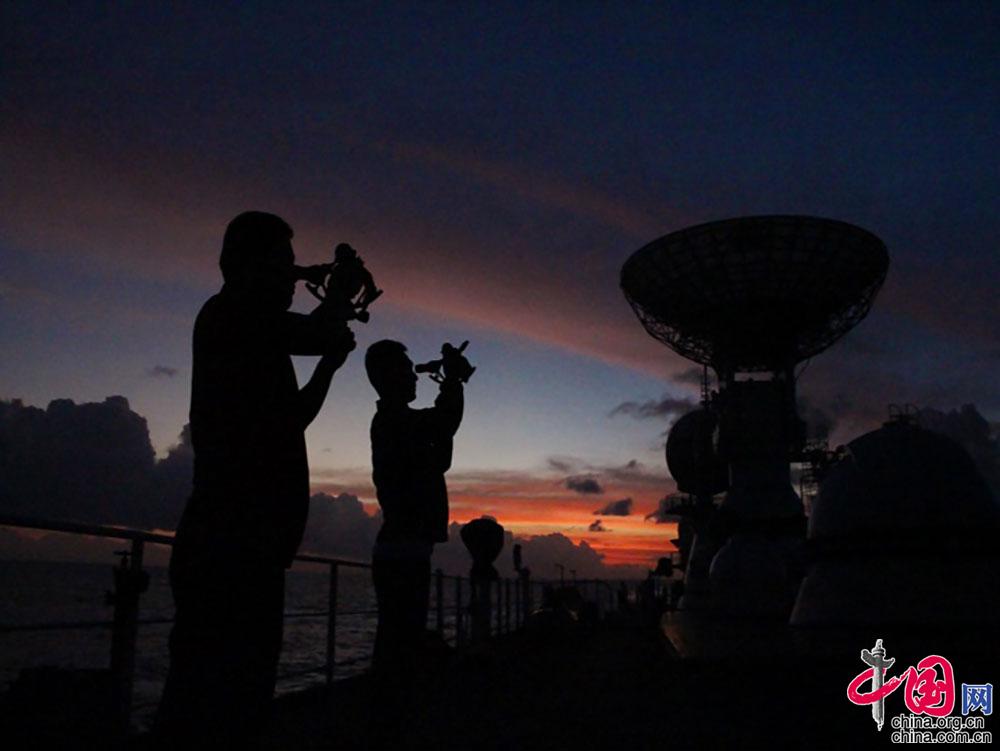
(224, 649)
(402, 588)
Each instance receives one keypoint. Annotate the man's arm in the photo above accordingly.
(308, 334)
(443, 419)
(313, 394)
(449, 407)
(437, 425)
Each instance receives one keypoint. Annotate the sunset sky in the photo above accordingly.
(495, 164)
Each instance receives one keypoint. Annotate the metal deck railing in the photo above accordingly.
(511, 600)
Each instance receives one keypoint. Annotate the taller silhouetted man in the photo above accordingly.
(247, 513)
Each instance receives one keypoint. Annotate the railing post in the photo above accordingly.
(498, 625)
(459, 636)
(480, 608)
(528, 605)
(506, 605)
(130, 582)
(439, 600)
(331, 624)
(517, 603)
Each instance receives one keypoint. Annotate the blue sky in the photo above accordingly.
(495, 166)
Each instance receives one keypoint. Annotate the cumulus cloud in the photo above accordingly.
(339, 526)
(91, 462)
(544, 552)
(174, 475)
(94, 462)
(597, 526)
(616, 508)
(664, 408)
(161, 371)
(584, 484)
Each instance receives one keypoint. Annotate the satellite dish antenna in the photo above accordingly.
(751, 298)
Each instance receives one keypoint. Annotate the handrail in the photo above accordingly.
(510, 608)
(128, 533)
(157, 538)
(83, 528)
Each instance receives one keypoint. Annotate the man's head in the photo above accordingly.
(390, 371)
(257, 259)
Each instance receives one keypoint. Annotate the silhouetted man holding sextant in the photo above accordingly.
(245, 519)
(411, 451)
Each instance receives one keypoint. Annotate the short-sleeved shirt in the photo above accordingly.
(251, 474)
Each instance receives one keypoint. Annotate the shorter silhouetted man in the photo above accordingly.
(247, 512)
(411, 451)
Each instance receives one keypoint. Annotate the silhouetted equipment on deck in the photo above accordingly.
(130, 582)
(693, 456)
(664, 567)
(903, 533)
(753, 295)
(483, 538)
(756, 293)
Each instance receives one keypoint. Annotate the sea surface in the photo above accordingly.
(33, 592)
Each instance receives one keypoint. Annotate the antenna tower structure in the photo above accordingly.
(750, 298)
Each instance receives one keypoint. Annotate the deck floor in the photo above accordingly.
(612, 688)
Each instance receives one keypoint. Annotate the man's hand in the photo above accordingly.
(311, 395)
(456, 367)
(341, 345)
(313, 274)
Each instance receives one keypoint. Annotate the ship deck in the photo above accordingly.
(611, 687)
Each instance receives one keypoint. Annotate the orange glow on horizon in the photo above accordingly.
(535, 506)
(624, 540)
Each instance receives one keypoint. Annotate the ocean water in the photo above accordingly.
(49, 592)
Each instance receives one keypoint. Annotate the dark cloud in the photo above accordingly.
(161, 371)
(584, 484)
(974, 433)
(561, 464)
(339, 526)
(597, 526)
(90, 462)
(616, 508)
(632, 472)
(853, 383)
(819, 422)
(689, 377)
(637, 473)
(174, 475)
(542, 554)
(664, 408)
(95, 463)
(661, 515)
